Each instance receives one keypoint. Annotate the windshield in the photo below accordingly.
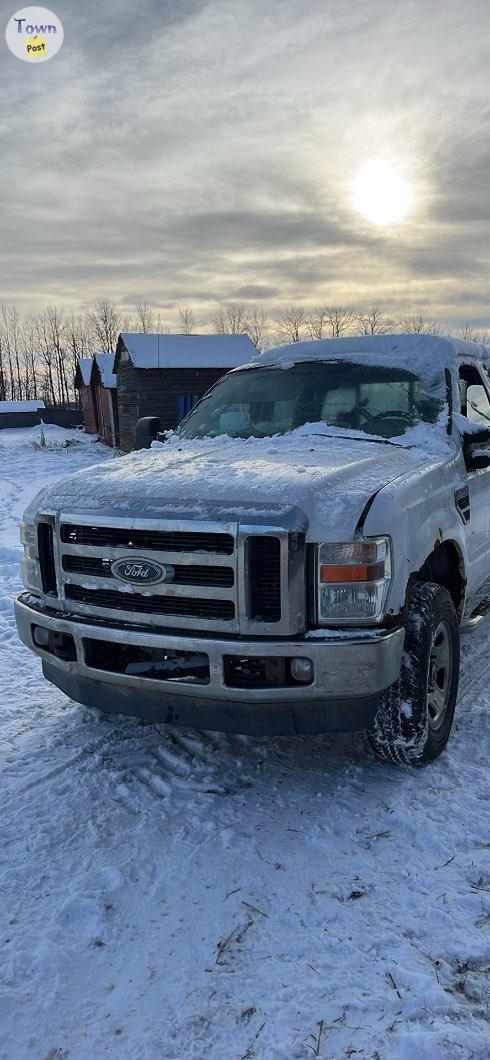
(260, 402)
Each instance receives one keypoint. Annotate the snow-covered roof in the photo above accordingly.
(188, 351)
(406, 350)
(86, 365)
(427, 356)
(21, 406)
(105, 362)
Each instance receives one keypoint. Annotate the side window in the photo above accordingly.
(474, 398)
(478, 403)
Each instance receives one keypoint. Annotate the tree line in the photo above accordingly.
(39, 352)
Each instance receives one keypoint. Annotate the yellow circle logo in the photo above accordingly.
(34, 34)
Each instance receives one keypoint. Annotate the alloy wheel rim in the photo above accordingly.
(439, 676)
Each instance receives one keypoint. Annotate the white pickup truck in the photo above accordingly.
(298, 557)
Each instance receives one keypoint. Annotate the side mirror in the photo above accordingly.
(476, 459)
(480, 459)
(480, 436)
(147, 429)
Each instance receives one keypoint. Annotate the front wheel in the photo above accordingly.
(415, 716)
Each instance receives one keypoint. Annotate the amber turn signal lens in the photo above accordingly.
(334, 572)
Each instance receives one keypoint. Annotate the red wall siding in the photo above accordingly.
(104, 402)
(89, 409)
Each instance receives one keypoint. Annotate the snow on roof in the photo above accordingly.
(21, 406)
(188, 351)
(105, 362)
(86, 365)
(427, 356)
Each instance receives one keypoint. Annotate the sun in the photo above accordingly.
(381, 194)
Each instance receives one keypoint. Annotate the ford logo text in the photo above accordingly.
(141, 571)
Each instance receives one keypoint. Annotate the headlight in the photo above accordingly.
(29, 567)
(28, 538)
(353, 580)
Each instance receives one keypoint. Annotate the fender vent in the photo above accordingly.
(462, 498)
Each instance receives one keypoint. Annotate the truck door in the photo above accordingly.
(475, 406)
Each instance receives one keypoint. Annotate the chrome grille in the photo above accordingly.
(184, 574)
(156, 540)
(161, 605)
(201, 593)
(226, 576)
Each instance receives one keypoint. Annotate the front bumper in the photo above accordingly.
(349, 673)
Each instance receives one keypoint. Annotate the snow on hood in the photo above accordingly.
(329, 479)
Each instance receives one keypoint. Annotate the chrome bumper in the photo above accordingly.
(347, 670)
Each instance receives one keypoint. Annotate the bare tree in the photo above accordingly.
(291, 324)
(341, 319)
(187, 320)
(258, 326)
(230, 318)
(57, 340)
(146, 317)
(317, 322)
(78, 337)
(106, 322)
(418, 323)
(31, 367)
(471, 333)
(80, 343)
(43, 343)
(330, 321)
(3, 374)
(12, 344)
(374, 322)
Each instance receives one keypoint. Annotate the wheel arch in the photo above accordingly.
(446, 567)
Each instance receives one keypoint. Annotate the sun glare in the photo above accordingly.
(381, 194)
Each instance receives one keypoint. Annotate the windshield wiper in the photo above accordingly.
(356, 438)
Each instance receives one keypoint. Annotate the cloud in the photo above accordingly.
(205, 150)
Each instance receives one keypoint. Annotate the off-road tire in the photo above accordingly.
(405, 729)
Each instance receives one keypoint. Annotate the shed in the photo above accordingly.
(96, 382)
(20, 413)
(165, 375)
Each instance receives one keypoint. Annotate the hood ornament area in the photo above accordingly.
(140, 571)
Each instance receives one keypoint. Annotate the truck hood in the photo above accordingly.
(329, 479)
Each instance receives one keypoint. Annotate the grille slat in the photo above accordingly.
(155, 540)
(154, 605)
(46, 558)
(265, 578)
(185, 574)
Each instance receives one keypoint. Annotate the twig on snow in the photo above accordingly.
(237, 889)
(254, 908)
(316, 1047)
(448, 862)
(392, 981)
(235, 936)
(249, 1052)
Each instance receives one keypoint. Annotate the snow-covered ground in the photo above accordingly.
(170, 894)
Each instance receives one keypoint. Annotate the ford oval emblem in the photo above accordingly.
(139, 571)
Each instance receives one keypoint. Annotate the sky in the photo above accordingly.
(197, 151)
